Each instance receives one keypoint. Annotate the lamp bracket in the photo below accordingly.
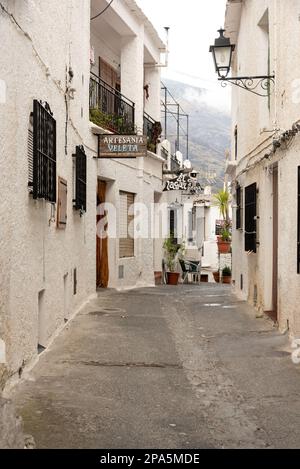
(252, 84)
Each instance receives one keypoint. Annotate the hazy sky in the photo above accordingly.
(193, 28)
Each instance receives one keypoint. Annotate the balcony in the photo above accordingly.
(153, 131)
(110, 109)
(175, 164)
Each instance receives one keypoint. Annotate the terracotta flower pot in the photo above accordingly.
(172, 278)
(226, 280)
(216, 276)
(224, 246)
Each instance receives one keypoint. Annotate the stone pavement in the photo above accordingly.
(166, 367)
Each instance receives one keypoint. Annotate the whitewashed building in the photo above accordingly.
(126, 54)
(265, 158)
(56, 67)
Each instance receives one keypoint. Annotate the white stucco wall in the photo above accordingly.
(256, 121)
(34, 254)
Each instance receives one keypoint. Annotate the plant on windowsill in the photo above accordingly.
(112, 122)
(173, 251)
(226, 275)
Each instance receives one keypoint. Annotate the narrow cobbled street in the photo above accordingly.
(185, 367)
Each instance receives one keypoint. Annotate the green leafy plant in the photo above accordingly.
(173, 251)
(222, 201)
(112, 122)
(226, 272)
(226, 235)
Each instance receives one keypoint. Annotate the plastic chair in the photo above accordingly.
(190, 267)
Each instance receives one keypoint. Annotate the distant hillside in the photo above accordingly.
(209, 134)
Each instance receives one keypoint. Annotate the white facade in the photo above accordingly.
(41, 42)
(265, 32)
(195, 225)
(126, 40)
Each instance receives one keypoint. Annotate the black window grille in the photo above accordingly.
(42, 169)
(239, 208)
(80, 179)
(250, 218)
(298, 224)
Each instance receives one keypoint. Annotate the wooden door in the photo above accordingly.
(102, 242)
(107, 73)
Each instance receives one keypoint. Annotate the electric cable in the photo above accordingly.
(103, 11)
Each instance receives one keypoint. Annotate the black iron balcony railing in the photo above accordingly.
(153, 131)
(109, 108)
(175, 165)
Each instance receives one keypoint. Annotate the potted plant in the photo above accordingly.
(226, 275)
(222, 201)
(224, 241)
(173, 250)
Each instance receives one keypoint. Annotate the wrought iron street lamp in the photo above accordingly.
(222, 52)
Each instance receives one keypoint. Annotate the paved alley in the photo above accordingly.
(183, 367)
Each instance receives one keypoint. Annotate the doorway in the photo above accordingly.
(102, 268)
(42, 322)
(275, 245)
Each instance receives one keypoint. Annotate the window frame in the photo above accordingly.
(239, 208)
(130, 218)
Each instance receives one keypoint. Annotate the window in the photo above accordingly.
(236, 142)
(42, 169)
(239, 208)
(80, 179)
(190, 227)
(298, 224)
(126, 238)
(62, 203)
(173, 224)
(219, 227)
(108, 73)
(250, 218)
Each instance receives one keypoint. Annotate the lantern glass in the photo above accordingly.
(223, 59)
(222, 53)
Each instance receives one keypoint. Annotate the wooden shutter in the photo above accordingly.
(126, 239)
(250, 218)
(62, 203)
(107, 73)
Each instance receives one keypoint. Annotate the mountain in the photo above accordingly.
(209, 129)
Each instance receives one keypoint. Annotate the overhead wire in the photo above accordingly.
(103, 11)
